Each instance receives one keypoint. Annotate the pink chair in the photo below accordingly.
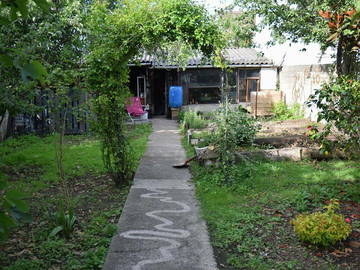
(135, 109)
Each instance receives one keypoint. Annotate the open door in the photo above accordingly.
(141, 89)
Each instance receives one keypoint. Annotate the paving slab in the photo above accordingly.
(160, 227)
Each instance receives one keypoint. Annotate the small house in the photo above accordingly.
(250, 80)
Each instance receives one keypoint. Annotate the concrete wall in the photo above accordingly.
(268, 77)
(299, 82)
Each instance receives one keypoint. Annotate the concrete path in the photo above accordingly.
(160, 227)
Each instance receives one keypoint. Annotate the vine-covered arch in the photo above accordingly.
(117, 35)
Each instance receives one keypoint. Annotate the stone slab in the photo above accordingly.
(161, 168)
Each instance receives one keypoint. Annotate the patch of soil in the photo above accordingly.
(284, 128)
(286, 133)
(21, 173)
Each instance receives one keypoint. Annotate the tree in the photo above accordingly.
(302, 20)
(118, 34)
(56, 40)
(238, 27)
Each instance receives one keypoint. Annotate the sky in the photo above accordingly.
(285, 54)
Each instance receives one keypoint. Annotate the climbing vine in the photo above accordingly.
(118, 33)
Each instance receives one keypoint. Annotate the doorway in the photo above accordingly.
(158, 93)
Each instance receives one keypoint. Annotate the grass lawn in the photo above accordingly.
(28, 162)
(249, 220)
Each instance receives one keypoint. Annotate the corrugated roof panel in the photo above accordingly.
(234, 56)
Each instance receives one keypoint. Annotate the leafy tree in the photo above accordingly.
(303, 20)
(339, 104)
(116, 36)
(10, 11)
(238, 27)
(56, 40)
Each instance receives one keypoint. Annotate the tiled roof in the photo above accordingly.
(234, 57)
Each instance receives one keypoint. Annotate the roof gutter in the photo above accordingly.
(211, 66)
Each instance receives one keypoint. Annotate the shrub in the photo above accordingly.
(339, 105)
(322, 228)
(283, 112)
(192, 120)
(235, 126)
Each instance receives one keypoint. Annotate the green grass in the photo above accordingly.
(31, 153)
(28, 162)
(249, 219)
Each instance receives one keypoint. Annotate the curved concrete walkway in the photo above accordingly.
(160, 227)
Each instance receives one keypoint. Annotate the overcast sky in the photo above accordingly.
(292, 53)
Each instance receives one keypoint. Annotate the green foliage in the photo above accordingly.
(65, 221)
(26, 264)
(58, 49)
(54, 250)
(13, 209)
(238, 28)
(339, 104)
(295, 20)
(322, 229)
(116, 36)
(28, 163)
(9, 12)
(250, 217)
(234, 128)
(192, 120)
(283, 112)
(298, 20)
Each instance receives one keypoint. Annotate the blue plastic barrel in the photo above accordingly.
(175, 96)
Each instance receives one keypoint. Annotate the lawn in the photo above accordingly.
(249, 220)
(28, 163)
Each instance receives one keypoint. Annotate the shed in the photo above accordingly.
(204, 85)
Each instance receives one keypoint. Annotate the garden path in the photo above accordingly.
(160, 227)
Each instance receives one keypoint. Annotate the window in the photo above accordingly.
(248, 82)
(204, 95)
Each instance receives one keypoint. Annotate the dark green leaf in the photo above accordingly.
(22, 6)
(3, 184)
(34, 70)
(15, 195)
(56, 230)
(43, 4)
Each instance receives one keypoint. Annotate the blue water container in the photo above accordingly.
(175, 96)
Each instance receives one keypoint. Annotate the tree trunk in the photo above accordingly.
(4, 125)
(346, 60)
(339, 56)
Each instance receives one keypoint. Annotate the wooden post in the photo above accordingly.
(256, 98)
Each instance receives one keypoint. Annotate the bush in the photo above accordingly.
(234, 128)
(339, 105)
(234, 125)
(192, 120)
(322, 228)
(283, 112)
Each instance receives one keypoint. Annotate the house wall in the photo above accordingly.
(268, 78)
(299, 82)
